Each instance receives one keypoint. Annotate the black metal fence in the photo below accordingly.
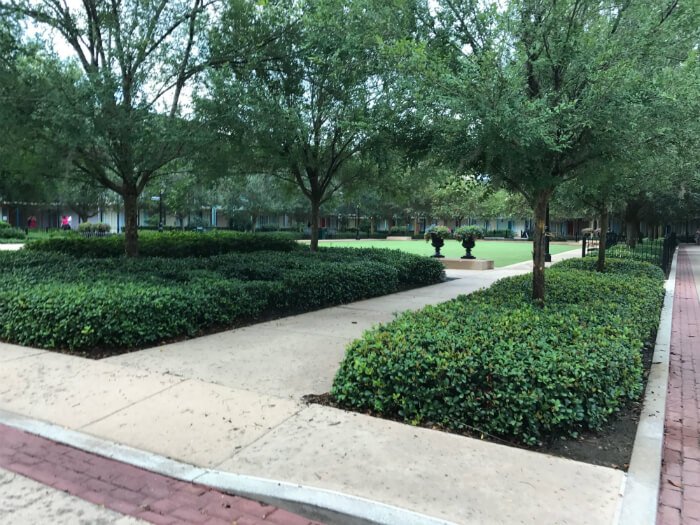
(657, 251)
(590, 243)
(669, 247)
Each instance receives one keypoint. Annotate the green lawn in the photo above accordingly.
(502, 253)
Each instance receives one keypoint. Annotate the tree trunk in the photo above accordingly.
(539, 247)
(416, 227)
(253, 223)
(632, 227)
(315, 213)
(632, 222)
(131, 212)
(602, 244)
(371, 225)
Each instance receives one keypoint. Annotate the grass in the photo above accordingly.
(34, 235)
(503, 253)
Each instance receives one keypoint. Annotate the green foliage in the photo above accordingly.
(441, 231)
(167, 244)
(494, 362)
(649, 251)
(13, 233)
(499, 233)
(463, 232)
(92, 227)
(615, 265)
(398, 231)
(55, 300)
(9, 232)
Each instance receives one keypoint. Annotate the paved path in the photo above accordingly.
(680, 477)
(121, 488)
(10, 247)
(231, 402)
(24, 501)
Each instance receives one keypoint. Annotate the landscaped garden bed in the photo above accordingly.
(492, 364)
(80, 295)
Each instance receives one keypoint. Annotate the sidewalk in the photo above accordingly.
(78, 478)
(680, 477)
(230, 405)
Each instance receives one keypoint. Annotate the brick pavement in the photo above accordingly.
(130, 490)
(679, 496)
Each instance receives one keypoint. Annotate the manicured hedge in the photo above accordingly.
(614, 265)
(166, 244)
(494, 362)
(7, 231)
(54, 300)
(412, 270)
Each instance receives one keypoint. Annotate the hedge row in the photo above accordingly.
(492, 361)
(57, 301)
(12, 233)
(7, 231)
(166, 244)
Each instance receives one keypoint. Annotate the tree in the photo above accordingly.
(26, 163)
(122, 121)
(256, 195)
(458, 197)
(311, 116)
(84, 197)
(536, 90)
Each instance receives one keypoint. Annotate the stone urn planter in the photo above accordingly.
(468, 235)
(468, 244)
(437, 235)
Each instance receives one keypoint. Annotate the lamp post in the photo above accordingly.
(547, 255)
(161, 213)
(357, 222)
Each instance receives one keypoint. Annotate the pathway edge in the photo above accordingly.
(639, 502)
(327, 502)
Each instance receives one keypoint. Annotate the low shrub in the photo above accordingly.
(54, 300)
(623, 266)
(443, 232)
(412, 270)
(166, 244)
(10, 232)
(494, 362)
(292, 235)
(463, 232)
(399, 230)
(507, 234)
(94, 227)
(648, 251)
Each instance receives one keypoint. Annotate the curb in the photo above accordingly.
(335, 508)
(640, 497)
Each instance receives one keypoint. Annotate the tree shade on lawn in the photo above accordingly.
(502, 253)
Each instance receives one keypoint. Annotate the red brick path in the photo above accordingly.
(679, 497)
(130, 490)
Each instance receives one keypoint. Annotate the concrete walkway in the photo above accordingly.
(25, 501)
(680, 477)
(230, 402)
(10, 247)
(77, 478)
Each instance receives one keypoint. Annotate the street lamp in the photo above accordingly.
(547, 255)
(161, 211)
